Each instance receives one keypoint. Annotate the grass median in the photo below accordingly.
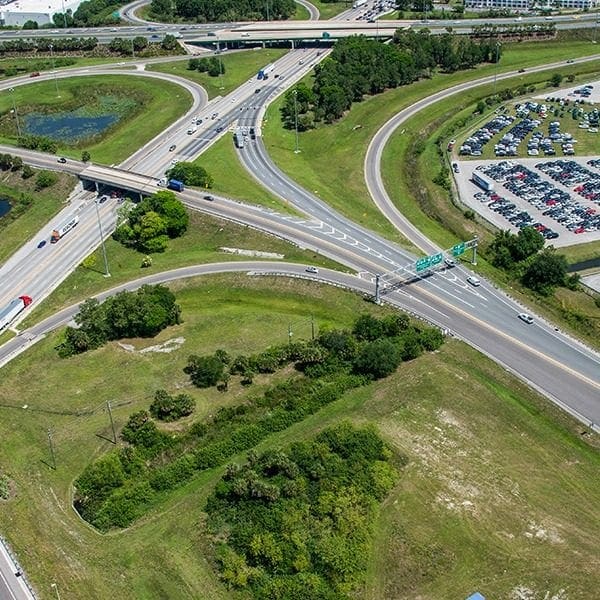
(233, 180)
(477, 507)
(238, 68)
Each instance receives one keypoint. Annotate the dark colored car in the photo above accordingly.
(172, 147)
(62, 159)
(42, 244)
(210, 198)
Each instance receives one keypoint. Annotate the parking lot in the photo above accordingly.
(560, 197)
(569, 93)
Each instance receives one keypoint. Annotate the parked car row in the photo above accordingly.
(513, 214)
(543, 195)
(474, 144)
(571, 174)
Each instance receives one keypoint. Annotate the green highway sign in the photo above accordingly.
(458, 249)
(436, 259)
(422, 263)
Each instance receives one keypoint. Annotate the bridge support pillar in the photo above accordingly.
(377, 295)
(292, 42)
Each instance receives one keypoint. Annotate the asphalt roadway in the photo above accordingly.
(12, 587)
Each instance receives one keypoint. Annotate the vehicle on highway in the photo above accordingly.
(34, 74)
(192, 130)
(176, 185)
(455, 167)
(41, 244)
(102, 199)
(61, 230)
(525, 318)
(312, 270)
(209, 198)
(473, 281)
(449, 262)
(62, 160)
(264, 72)
(172, 147)
(12, 309)
(521, 71)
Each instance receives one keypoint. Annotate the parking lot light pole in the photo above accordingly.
(12, 95)
(295, 92)
(107, 272)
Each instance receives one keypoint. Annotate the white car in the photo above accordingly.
(312, 270)
(526, 318)
(473, 281)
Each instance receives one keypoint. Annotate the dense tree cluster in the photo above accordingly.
(213, 66)
(522, 255)
(374, 349)
(167, 407)
(218, 11)
(358, 67)
(43, 45)
(42, 64)
(298, 523)
(38, 142)
(152, 222)
(90, 13)
(191, 174)
(142, 313)
(154, 462)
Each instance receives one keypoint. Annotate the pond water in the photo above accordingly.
(4, 207)
(68, 127)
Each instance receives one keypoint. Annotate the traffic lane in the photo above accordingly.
(490, 306)
(576, 394)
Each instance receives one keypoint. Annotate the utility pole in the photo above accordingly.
(290, 333)
(12, 95)
(51, 444)
(132, 49)
(377, 294)
(474, 259)
(112, 423)
(268, 19)
(312, 327)
(107, 272)
(295, 93)
(55, 587)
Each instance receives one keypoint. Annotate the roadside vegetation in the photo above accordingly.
(149, 225)
(130, 99)
(120, 487)
(32, 205)
(219, 11)
(471, 510)
(238, 67)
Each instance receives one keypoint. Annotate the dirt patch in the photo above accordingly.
(165, 347)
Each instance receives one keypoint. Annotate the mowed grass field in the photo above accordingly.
(238, 67)
(166, 103)
(331, 161)
(500, 491)
(46, 203)
(201, 244)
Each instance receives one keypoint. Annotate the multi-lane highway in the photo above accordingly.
(358, 247)
(560, 367)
